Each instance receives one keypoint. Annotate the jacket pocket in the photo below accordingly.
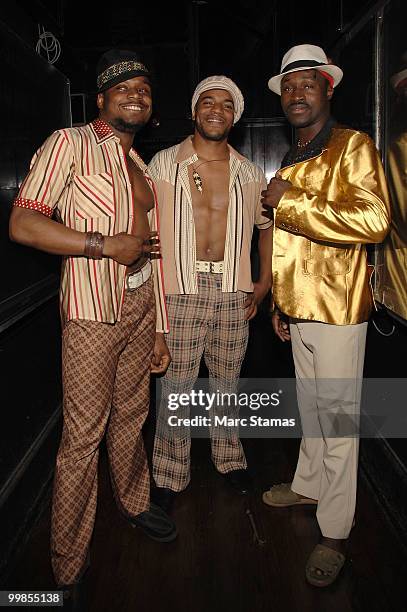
(94, 196)
(316, 184)
(327, 267)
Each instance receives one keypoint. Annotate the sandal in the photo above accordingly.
(323, 566)
(281, 496)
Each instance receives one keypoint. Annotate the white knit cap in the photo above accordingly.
(220, 82)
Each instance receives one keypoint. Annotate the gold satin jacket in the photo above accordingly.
(337, 204)
(392, 286)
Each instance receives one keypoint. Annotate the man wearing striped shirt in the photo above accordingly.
(209, 200)
(94, 182)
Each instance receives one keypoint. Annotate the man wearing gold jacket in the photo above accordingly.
(329, 200)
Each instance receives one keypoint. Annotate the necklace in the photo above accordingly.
(197, 178)
(302, 145)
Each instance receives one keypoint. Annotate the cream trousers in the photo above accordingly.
(329, 371)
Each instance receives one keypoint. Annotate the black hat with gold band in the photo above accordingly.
(118, 65)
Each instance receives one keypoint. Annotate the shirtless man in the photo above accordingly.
(97, 186)
(209, 199)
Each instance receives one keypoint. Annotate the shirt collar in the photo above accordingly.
(314, 148)
(136, 158)
(102, 131)
(186, 151)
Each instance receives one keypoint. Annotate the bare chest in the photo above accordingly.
(142, 194)
(213, 198)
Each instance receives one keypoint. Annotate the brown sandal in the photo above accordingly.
(282, 496)
(323, 566)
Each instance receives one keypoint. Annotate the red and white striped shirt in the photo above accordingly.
(81, 174)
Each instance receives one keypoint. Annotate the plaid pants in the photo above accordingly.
(106, 374)
(211, 324)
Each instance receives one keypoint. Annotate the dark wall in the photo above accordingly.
(34, 101)
(358, 103)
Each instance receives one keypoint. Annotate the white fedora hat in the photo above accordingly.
(304, 57)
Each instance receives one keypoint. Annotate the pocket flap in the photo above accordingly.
(327, 266)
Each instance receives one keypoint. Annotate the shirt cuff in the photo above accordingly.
(33, 205)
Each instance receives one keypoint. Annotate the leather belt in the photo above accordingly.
(134, 280)
(216, 267)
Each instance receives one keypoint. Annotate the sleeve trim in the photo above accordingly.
(33, 205)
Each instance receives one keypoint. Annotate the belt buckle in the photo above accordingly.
(203, 266)
(132, 281)
(139, 277)
(214, 264)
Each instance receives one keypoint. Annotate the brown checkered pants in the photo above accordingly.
(106, 373)
(211, 324)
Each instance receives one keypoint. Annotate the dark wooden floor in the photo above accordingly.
(215, 564)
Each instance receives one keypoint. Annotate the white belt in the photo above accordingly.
(136, 279)
(216, 267)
